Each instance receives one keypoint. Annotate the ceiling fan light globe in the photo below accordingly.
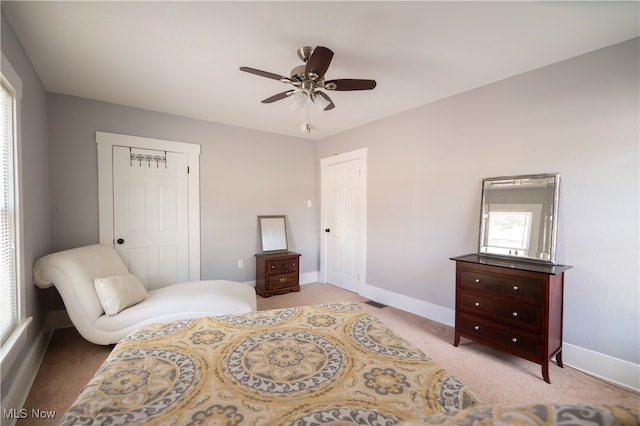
(300, 99)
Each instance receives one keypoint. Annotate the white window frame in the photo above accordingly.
(12, 346)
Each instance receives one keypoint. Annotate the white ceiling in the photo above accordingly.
(182, 57)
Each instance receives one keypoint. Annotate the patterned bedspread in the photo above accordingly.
(310, 365)
(296, 366)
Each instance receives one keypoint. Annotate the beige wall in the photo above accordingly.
(580, 118)
(244, 173)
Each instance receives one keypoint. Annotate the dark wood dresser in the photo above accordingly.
(277, 273)
(511, 305)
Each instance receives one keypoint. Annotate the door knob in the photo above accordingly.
(120, 241)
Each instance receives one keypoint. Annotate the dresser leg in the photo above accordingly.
(545, 372)
(559, 359)
(456, 340)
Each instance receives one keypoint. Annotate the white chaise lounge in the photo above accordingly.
(73, 272)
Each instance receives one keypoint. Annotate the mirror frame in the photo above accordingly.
(548, 232)
(273, 233)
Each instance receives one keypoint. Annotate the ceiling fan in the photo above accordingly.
(308, 80)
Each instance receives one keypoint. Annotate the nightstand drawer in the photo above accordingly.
(287, 280)
(282, 266)
(518, 314)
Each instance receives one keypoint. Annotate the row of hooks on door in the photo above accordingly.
(147, 158)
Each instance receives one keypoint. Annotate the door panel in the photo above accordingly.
(168, 209)
(151, 215)
(342, 224)
(137, 262)
(169, 257)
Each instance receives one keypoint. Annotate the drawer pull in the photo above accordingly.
(283, 280)
(516, 288)
(477, 280)
(515, 314)
(476, 327)
(476, 304)
(514, 340)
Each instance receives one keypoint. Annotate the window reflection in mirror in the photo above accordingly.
(518, 217)
(510, 231)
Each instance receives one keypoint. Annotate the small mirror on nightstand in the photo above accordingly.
(273, 233)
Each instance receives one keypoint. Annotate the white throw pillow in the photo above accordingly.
(119, 292)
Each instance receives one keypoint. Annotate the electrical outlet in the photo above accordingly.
(240, 264)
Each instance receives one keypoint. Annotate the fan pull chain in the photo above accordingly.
(308, 127)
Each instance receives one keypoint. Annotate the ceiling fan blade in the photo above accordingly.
(344, 84)
(319, 61)
(264, 73)
(326, 97)
(278, 96)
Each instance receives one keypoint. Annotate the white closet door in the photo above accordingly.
(151, 214)
(344, 219)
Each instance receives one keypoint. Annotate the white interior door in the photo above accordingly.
(106, 143)
(151, 214)
(344, 219)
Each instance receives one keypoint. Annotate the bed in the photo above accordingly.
(310, 365)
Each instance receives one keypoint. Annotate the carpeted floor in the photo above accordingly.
(495, 377)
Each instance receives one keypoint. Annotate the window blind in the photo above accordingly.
(8, 284)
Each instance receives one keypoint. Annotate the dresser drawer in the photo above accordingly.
(513, 340)
(527, 289)
(503, 310)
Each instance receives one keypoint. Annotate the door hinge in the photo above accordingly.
(187, 169)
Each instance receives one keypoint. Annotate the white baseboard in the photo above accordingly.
(28, 370)
(415, 306)
(617, 371)
(59, 319)
(309, 277)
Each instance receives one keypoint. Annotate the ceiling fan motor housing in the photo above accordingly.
(297, 72)
(304, 53)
